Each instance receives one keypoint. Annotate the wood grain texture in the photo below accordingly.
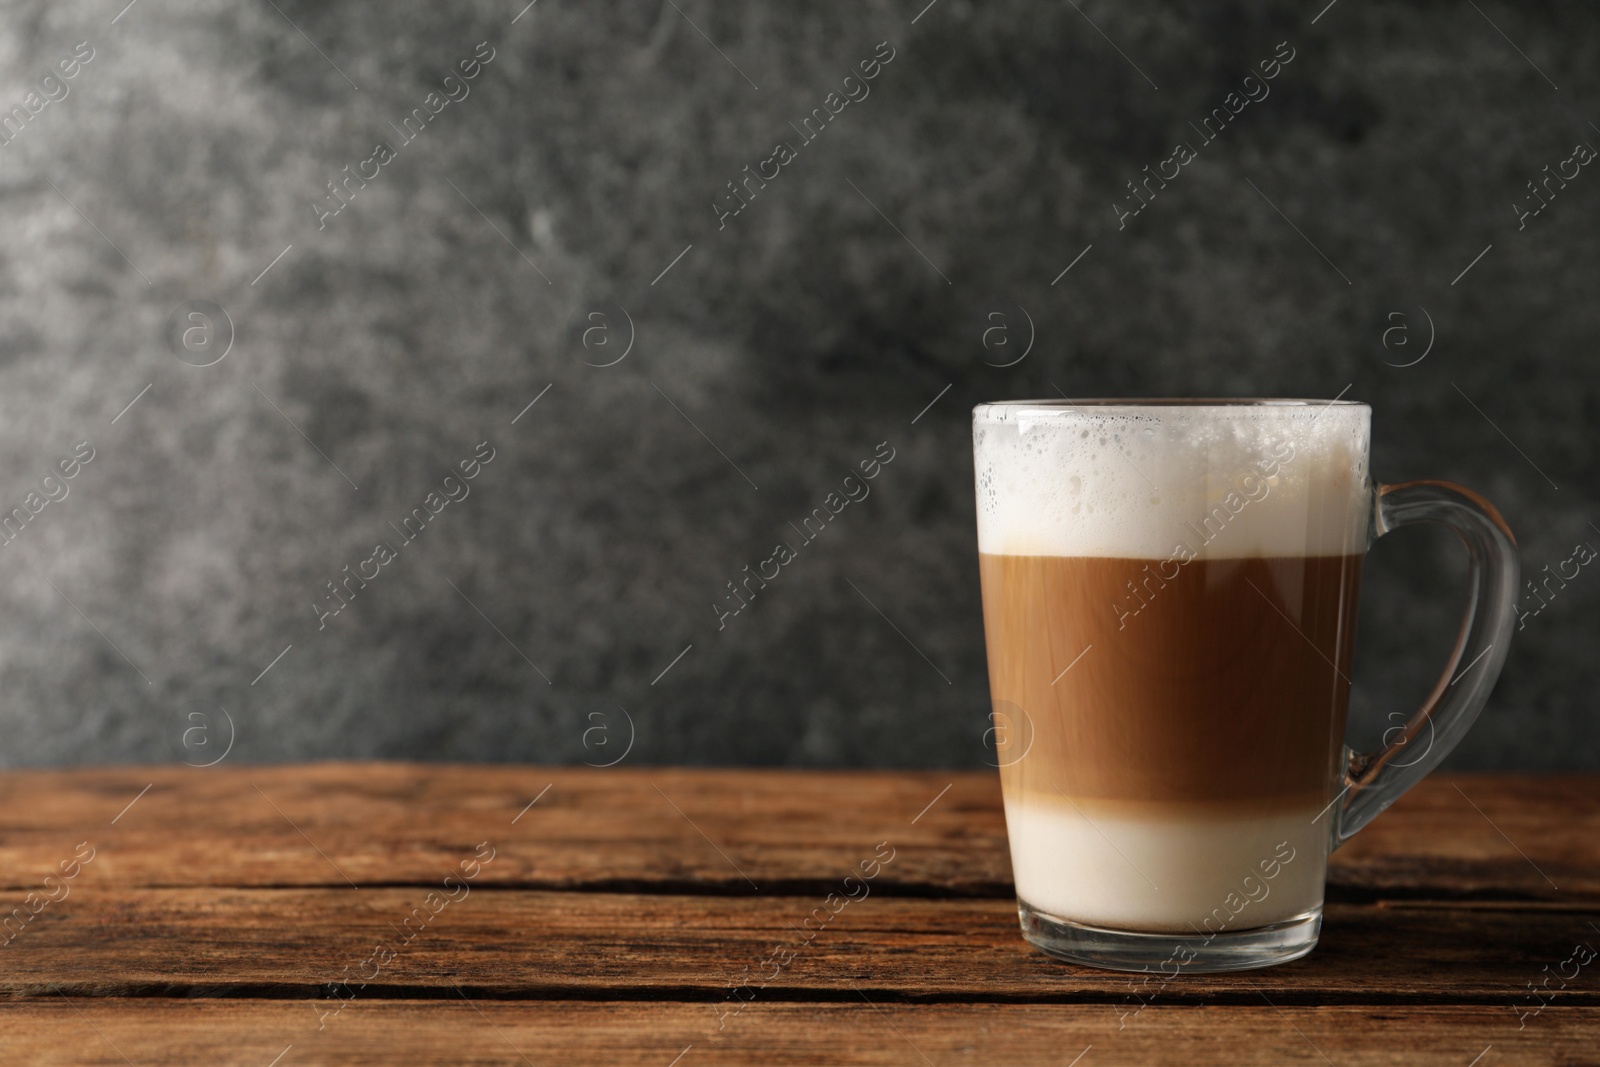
(229, 914)
(529, 944)
(704, 830)
(391, 823)
(483, 1033)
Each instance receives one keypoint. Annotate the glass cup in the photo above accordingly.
(1169, 602)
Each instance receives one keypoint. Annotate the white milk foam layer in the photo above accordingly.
(1164, 481)
(1182, 874)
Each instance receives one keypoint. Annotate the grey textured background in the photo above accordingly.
(424, 317)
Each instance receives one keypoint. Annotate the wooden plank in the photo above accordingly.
(388, 823)
(480, 1033)
(1492, 835)
(705, 830)
(517, 943)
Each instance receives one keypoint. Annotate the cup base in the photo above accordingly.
(1199, 953)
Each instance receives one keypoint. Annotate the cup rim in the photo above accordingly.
(1170, 402)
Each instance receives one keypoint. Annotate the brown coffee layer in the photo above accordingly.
(1218, 681)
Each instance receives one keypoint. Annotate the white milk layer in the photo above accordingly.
(1164, 481)
(1184, 874)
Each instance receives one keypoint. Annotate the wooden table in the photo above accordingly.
(402, 914)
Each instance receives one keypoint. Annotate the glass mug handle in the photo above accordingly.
(1373, 781)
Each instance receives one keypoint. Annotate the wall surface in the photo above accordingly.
(558, 230)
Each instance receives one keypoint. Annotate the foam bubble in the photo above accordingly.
(1145, 481)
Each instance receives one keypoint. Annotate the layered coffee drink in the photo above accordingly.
(1169, 598)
